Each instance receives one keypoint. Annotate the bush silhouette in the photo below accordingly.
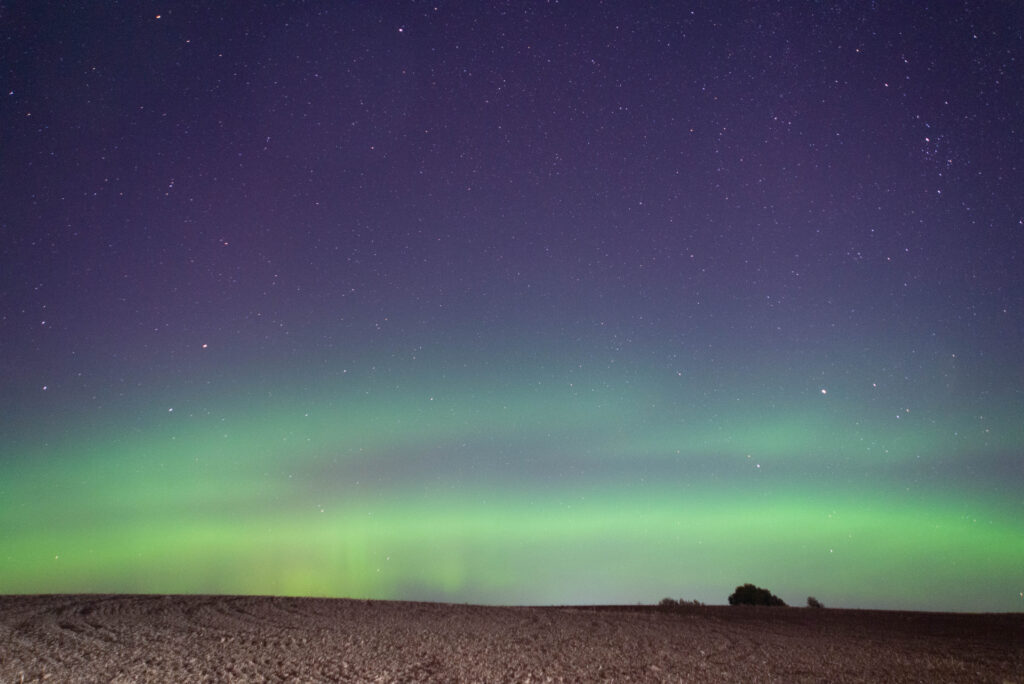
(814, 603)
(750, 595)
(673, 604)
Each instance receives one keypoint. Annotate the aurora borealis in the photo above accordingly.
(529, 303)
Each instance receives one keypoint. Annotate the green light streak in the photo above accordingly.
(483, 544)
(531, 491)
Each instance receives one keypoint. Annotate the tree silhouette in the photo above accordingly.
(750, 595)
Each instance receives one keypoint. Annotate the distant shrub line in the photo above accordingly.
(745, 595)
(670, 603)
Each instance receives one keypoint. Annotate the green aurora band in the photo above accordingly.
(515, 488)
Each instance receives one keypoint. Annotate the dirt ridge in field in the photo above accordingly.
(153, 638)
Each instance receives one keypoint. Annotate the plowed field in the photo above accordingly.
(93, 638)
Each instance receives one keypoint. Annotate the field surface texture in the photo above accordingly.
(258, 639)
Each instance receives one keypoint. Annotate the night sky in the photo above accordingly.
(514, 302)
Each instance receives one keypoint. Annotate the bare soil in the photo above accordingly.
(92, 638)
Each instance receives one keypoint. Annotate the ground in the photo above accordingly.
(92, 638)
